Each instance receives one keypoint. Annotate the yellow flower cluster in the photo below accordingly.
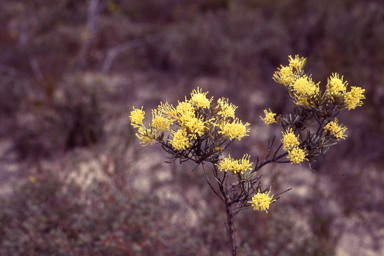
(298, 85)
(297, 62)
(336, 86)
(147, 135)
(180, 140)
(287, 75)
(284, 76)
(199, 99)
(137, 117)
(354, 97)
(261, 201)
(236, 166)
(234, 130)
(304, 92)
(290, 144)
(226, 109)
(289, 139)
(336, 130)
(296, 155)
(269, 117)
(304, 87)
(195, 118)
(195, 127)
(160, 122)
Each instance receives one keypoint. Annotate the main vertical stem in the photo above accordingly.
(227, 200)
(230, 228)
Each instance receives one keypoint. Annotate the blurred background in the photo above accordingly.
(74, 179)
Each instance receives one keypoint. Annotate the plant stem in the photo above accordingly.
(228, 202)
(230, 228)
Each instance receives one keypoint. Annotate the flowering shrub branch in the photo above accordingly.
(200, 130)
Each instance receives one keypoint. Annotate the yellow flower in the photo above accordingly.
(167, 110)
(180, 140)
(234, 130)
(159, 122)
(284, 75)
(304, 86)
(336, 130)
(297, 63)
(244, 164)
(297, 155)
(269, 117)
(199, 98)
(195, 127)
(184, 107)
(354, 97)
(136, 117)
(336, 85)
(226, 109)
(289, 139)
(261, 201)
(236, 166)
(184, 112)
(225, 164)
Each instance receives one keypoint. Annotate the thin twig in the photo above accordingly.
(209, 183)
(283, 192)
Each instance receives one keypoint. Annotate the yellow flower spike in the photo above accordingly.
(354, 97)
(297, 155)
(336, 130)
(297, 62)
(289, 139)
(335, 85)
(244, 164)
(184, 107)
(180, 140)
(159, 122)
(226, 109)
(136, 117)
(269, 117)
(235, 166)
(287, 75)
(167, 110)
(234, 130)
(261, 201)
(226, 164)
(195, 127)
(284, 75)
(199, 98)
(304, 86)
(184, 112)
